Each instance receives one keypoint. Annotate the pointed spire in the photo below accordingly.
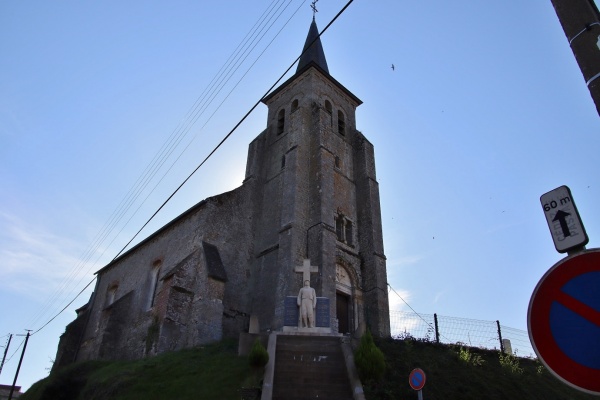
(315, 52)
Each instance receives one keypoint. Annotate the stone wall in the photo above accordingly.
(136, 313)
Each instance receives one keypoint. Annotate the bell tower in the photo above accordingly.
(316, 197)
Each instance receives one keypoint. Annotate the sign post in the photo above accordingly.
(563, 220)
(563, 320)
(416, 380)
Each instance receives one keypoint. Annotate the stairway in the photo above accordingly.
(310, 367)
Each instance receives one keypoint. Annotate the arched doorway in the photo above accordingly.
(343, 299)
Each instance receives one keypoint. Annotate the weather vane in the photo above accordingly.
(313, 5)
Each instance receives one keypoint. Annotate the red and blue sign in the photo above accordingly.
(416, 379)
(564, 320)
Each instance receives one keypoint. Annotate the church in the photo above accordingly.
(308, 208)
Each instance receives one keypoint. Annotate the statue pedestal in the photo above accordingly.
(302, 331)
(292, 314)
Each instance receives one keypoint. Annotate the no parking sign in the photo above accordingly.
(416, 380)
(564, 320)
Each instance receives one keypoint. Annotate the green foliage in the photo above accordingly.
(510, 363)
(450, 378)
(539, 369)
(369, 360)
(209, 372)
(152, 335)
(258, 357)
(466, 356)
(216, 372)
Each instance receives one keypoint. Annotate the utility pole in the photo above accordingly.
(12, 389)
(5, 351)
(580, 20)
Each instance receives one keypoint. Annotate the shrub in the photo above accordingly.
(258, 357)
(369, 360)
(511, 363)
(470, 358)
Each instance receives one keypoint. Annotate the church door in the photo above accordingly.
(342, 302)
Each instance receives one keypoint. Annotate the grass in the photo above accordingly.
(210, 372)
(457, 372)
(216, 372)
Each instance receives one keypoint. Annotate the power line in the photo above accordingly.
(413, 310)
(210, 154)
(132, 195)
(235, 127)
(174, 140)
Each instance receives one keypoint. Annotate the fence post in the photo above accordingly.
(500, 336)
(437, 330)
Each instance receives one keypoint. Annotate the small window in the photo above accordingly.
(328, 106)
(337, 162)
(280, 122)
(341, 123)
(339, 227)
(283, 161)
(348, 233)
(294, 105)
(153, 282)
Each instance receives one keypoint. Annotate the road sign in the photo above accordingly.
(564, 320)
(416, 379)
(563, 219)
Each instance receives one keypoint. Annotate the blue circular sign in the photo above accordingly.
(564, 320)
(417, 379)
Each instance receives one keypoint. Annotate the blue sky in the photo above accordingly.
(486, 111)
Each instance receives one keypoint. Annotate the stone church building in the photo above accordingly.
(310, 192)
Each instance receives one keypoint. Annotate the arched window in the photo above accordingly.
(153, 283)
(280, 121)
(294, 105)
(344, 229)
(341, 123)
(328, 106)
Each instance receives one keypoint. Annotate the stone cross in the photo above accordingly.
(306, 269)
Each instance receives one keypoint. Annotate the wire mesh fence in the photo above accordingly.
(452, 330)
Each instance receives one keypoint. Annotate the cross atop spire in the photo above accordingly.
(313, 5)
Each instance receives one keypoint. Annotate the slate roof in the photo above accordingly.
(313, 57)
(313, 53)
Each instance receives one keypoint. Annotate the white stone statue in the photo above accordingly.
(307, 301)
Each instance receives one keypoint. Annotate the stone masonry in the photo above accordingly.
(310, 191)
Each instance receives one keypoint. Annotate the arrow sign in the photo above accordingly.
(561, 217)
(563, 220)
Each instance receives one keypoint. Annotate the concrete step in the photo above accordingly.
(310, 367)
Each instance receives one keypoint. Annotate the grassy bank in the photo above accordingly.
(216, 372)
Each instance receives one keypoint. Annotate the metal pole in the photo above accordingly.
(437, 330)
(12, 389)
(5, 351)
(420, 394)
(500, 336)
(580, 20)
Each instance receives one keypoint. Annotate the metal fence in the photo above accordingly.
(452, 330)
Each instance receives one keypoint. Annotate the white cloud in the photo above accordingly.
(438, 296)
(405, 261)
(395, 299)
(34, 262)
